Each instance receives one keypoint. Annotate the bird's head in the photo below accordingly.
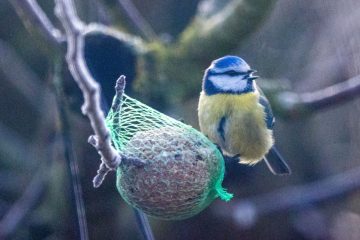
(229, 74)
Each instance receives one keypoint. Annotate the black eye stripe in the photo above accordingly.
(232, 73)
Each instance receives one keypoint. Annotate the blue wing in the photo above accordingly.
(269, 117)
(274, 160)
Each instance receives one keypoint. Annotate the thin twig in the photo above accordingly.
(144, 225)
(32, 12)
(137, 19)
(246, 211)
(70, 156)
(93, 140)
(103, 170)
(299, 104)
(119, 91)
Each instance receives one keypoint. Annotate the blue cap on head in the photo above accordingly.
(229, 74)
(228, 63)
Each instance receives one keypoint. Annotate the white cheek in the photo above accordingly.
(226, 83)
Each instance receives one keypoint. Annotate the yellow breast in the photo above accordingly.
(244, 130)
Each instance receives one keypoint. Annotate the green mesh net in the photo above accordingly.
(183, 171)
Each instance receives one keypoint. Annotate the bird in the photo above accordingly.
(236, 116)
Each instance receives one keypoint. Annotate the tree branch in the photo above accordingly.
(246, 211)
(144, 225)
(110, 158)
(74, 29)
(32, 13)
(116, 107)
(293, 105)
(207, 39)
(89, 87)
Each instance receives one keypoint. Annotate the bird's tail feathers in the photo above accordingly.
(276, 163)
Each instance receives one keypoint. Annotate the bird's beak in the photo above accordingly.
(251, 77)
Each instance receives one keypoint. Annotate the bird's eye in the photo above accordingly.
(232, 73)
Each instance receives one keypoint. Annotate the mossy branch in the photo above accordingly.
(207, 39)
(204, 40)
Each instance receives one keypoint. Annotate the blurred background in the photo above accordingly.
(296, 46)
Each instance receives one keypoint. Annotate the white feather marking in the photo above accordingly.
(256, 87)
(226, 83)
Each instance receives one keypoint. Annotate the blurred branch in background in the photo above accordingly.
(246, 212)
(99, 12)
(29, 199)
(11, 148)
(207, 39)
(201, 42)
(25, 153)
(34, 18)
(288, 104)
(295, 105)
(70, 155)
(137, 20)
(19, 75)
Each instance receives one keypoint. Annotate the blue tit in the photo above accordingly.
(235, 114)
